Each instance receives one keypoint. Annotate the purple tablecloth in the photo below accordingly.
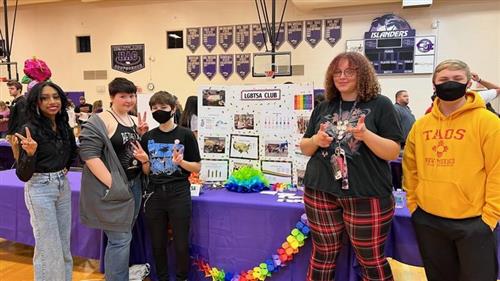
(15, 221)
(6, 157)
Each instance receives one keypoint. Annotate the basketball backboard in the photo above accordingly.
(262, 65)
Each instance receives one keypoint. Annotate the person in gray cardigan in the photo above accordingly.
(111, 187)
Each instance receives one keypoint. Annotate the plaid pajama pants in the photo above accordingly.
(366, 221)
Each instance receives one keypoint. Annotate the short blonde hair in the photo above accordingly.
(452, 65)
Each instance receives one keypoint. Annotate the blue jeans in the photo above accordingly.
(48, 199)
(116, 257)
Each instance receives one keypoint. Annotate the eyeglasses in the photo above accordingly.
(349, 73)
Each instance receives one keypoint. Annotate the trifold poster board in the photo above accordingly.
(257, 125)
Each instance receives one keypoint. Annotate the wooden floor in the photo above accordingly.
(16, 259)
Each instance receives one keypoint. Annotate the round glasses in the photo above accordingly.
(349, 73)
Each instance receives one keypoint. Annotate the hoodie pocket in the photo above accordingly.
(119, 190)
(446, 199)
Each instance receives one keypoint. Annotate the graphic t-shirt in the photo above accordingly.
(160, 147)
(369, 175)
(122, 141)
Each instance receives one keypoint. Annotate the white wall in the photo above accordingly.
(468, 30)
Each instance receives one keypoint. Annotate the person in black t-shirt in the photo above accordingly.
(17, 113)
(173, 154)
(48, 148)
(348, 190)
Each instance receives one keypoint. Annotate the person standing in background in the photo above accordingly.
(4, 119)
(405, 116)
(17, 113)
(451, 167)
(48, 148)
(189, 117)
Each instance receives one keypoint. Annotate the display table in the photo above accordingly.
(233, 231)
(6, 157)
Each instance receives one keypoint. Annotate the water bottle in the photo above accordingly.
(400, 198)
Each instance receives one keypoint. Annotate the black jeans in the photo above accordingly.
(456, 249)
(169, 204)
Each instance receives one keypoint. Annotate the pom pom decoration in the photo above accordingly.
(247, 179)
(36, 71)
(264, 269)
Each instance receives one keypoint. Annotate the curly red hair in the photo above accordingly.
(367, 82)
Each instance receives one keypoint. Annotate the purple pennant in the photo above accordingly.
(242, 65)
(258, 36)
(210, 66)
(280, 36)
(313, 32)
(210, 37)
(226, 65)
(333, 30)
(295, 31)
(226, 37)
(193, 38)
(242, 36)
(193, 66)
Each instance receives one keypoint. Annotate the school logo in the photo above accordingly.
(425, 45)
(440, 148)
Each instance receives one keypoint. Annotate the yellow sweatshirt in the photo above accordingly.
(451, 165)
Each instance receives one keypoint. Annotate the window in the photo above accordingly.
(83, 44)
(175, 39)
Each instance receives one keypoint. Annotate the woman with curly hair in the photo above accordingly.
(48, 148)
(350, 138)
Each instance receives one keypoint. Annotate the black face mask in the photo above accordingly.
(162, 116)
(450, 91)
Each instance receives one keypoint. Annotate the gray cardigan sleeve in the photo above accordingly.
(91, 143)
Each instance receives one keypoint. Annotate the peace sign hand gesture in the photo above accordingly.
(139, 153)
(143, 126)
(27, 143)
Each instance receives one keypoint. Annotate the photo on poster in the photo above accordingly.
(236, 164)
(244, 146)
(214, 170)
(300, 177)
(276, 148)
(277, 172)
(212, 97)
(244, 122)
(213, 122)
(302, 123)
(214, 145)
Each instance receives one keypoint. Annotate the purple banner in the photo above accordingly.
(313, 32)
(280, 36)
(193, 66)
(193, 38)
(242, 65)
(258, 36)
(226, 65)
(210, 37)
(226, 37)
(210, 66)
(333, 31)
(127, 58)
(295, 31)
(242, 36)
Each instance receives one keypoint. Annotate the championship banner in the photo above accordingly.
(242, 36)
(210, 66)
(193, 66)
(226, 65)
(242, 65)
(127, 58)
(209, 34)
(226, 37)
(333, 30)
(313, 32)
(258, 36)
(295, 31)
(193, 38)
(280, 35)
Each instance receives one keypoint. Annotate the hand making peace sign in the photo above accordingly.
(27, 143)
(139, 153)
(143, 126)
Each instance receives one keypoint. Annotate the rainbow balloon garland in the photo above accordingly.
(265, 269)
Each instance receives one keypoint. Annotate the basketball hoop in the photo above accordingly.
(269, 73)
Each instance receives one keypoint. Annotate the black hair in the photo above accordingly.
(121, 85)
(190, 109)
(34, 116)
